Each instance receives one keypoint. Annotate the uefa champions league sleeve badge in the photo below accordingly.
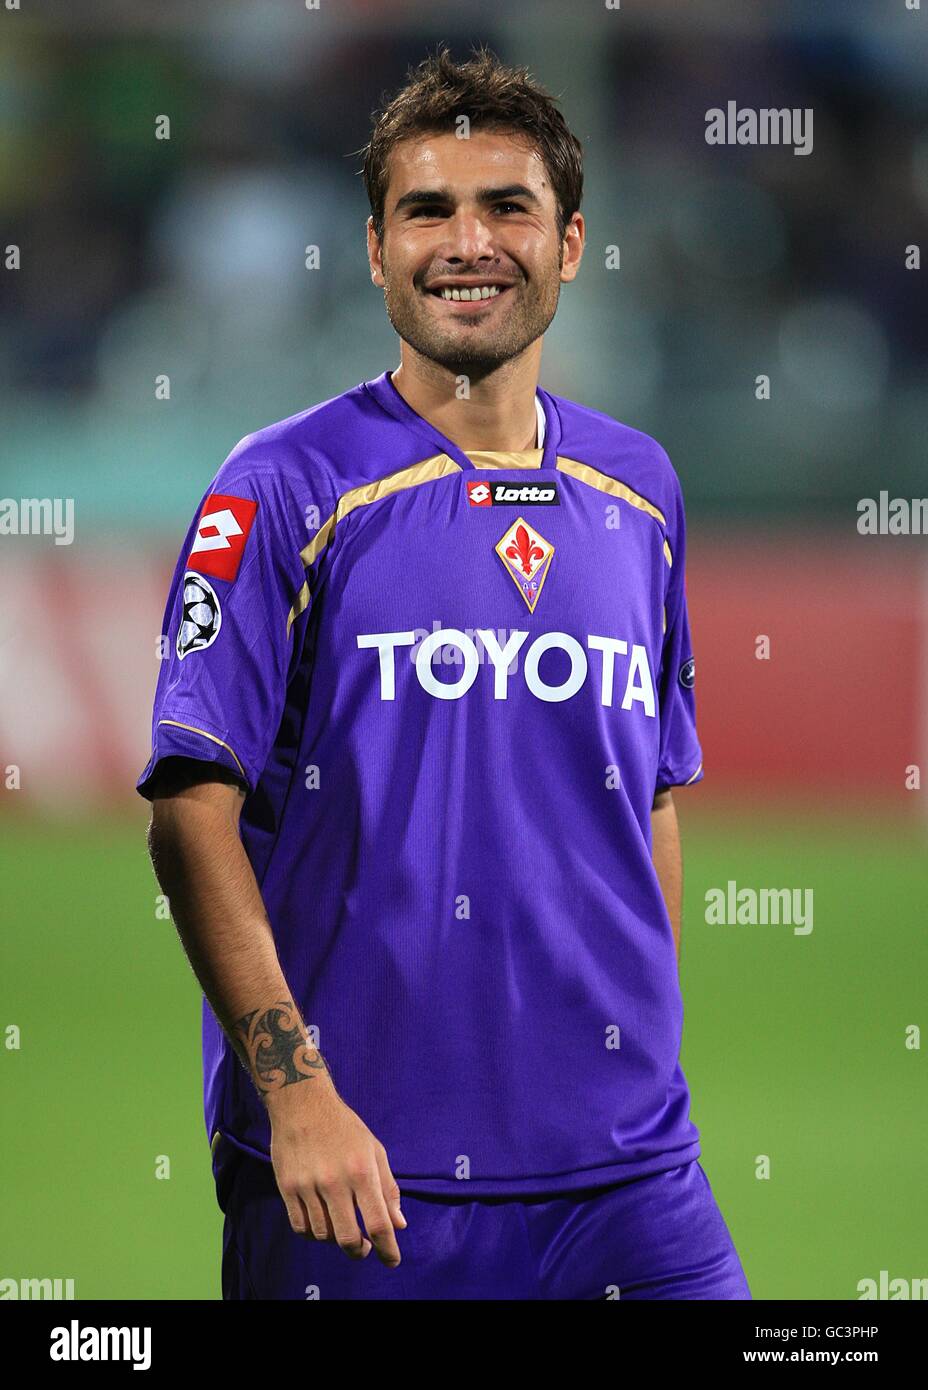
(526, 556)
(201, 616)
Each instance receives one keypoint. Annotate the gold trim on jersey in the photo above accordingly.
(442, 466)
(299, 604)
(194, 730)
(439, 466)
(518, 458)
(593, 478)
(318, 543)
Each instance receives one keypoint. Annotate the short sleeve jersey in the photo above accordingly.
(452, 683)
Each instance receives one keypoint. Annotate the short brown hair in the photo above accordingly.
(492, 96)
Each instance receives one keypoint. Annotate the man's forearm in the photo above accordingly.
(328, 1165)
(667, 855)
(216, 905)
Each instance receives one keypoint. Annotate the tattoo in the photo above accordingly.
(277, 1048)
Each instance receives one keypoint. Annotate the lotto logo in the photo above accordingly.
(221, 535)
(479, 495)
(483, 494)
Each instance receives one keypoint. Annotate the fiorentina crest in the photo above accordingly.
(527, 558)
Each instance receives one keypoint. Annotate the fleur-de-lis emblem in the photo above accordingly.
(524, 550)
(526, 556)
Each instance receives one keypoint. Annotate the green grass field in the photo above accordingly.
(794, 1048)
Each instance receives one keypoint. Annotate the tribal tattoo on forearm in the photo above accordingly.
(276, 1048)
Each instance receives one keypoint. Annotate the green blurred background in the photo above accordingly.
(794, 1048)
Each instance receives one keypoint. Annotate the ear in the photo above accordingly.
(375, 254)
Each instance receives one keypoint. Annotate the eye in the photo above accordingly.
(516, 207)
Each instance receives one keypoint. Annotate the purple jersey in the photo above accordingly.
(453, 683)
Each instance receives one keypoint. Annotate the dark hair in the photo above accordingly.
(492, 96)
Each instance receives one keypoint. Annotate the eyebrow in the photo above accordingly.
(435, 196)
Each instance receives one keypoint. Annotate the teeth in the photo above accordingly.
(478, 292)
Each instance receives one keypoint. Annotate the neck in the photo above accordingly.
(497, 415)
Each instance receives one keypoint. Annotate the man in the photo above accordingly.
(430, 684)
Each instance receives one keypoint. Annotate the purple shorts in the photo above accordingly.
(660, 1236)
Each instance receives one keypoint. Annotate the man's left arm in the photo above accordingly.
(679, 760)
(668, 857)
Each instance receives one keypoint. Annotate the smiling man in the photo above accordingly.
(429, 687)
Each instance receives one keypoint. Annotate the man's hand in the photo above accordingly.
(328, 1163)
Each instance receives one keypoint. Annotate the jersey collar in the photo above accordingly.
(387, 396)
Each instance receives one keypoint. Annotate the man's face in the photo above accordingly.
(476, 215)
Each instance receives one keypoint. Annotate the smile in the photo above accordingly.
(468, 294)
(469, 301)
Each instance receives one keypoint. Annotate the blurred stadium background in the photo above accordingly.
(186, 257)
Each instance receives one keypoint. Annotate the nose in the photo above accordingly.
(468, 237)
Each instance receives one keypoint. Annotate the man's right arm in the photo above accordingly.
(326, 1161)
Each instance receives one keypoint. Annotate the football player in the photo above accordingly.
(429, 690)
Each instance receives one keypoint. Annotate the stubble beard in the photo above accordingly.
(465, 350)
